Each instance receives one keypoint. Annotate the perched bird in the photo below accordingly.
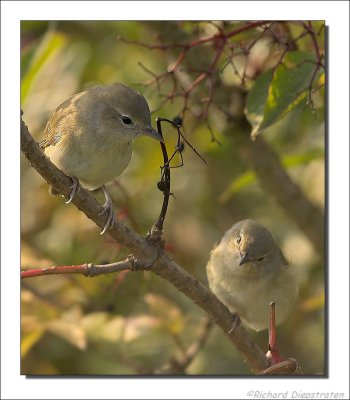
(247, 271)
(89, 137)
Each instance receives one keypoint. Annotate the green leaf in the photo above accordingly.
(257, 98)
(51, 43)
(277, 92)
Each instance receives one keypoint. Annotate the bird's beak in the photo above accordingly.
(244, 258)
(152, 133)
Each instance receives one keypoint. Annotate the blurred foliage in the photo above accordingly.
(134, 323)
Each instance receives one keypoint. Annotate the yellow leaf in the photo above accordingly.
(29, 340)
(322, 79)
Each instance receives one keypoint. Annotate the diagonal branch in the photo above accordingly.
(148, 254)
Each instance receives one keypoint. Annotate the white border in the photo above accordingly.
(336, 15)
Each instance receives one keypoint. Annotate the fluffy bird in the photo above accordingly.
(89, 137)
(247, 271)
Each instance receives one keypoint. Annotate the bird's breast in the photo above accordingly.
(94, 164)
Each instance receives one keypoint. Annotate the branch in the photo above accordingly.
(310, 30)
(90, 270)
(147, 255)
(164, 182)
(198, 42)
(286, 367)
(219, 42)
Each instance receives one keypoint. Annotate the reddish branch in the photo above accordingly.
(311, 32)
(220, 42)
(198, 42)
(187, 87)
(84, 269)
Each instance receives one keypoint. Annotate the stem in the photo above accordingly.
(165, 179)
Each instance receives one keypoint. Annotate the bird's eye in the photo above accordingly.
(126, 120)
(238, 239)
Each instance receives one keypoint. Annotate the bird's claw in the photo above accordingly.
(236, 322)
(75, 186)
(108, 209)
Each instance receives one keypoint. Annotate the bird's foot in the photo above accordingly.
(236, 322)
(107, 209)
(75, 186)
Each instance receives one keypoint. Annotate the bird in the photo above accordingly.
(89, 137)
(247, 271)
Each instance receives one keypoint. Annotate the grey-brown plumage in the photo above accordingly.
(247, 271)
(86, 136)
(89, 136)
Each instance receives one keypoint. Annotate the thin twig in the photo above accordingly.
(184, 138)
(197, 42)
(220, 40)
(165, 181)
(90, 270)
